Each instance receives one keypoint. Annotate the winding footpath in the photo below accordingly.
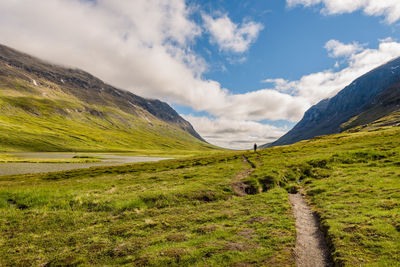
(311, 249)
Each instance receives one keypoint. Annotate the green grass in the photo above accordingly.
(360, 207)
(391, 119)
(359, 204)
(176, 212)
(188, 212)
(353, 182)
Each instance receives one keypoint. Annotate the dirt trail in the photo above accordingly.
(311, 249)
(238, 186)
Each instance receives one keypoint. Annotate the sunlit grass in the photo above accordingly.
(186, 212)
(178, 212)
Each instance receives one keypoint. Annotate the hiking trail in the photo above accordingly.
(311, 249)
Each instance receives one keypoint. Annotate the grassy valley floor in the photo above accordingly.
(219, 210)
(171, 212)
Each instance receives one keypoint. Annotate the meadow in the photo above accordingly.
(225, 209)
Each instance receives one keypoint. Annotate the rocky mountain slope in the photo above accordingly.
(48, 107)
(368, 98)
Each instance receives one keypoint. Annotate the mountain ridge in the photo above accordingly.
(33, 90)
(78, 79)
(364, 94)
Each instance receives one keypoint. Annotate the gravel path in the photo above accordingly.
(311, 249)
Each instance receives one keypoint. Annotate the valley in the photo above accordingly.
(93, 175)
(211, 210)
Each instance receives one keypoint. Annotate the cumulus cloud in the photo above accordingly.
(390, 9)
(289, 99)
(230, 36)
(145, 46)
(142, 46)
(316, 86)
(338, 49)
(139, 45)
(235, 134)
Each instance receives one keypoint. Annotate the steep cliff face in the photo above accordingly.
(33, 90)
(368, 98)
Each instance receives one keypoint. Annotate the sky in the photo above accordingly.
(241, 72)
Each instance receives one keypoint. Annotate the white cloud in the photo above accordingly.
(338, 49)
(230, 36)
(317, 86)
(144, 46)
(289, 99)
(139, 45)
(235, 134)
(390, 9)
(280, 84)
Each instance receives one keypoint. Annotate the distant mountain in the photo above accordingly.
(47, 107)
(368, 98)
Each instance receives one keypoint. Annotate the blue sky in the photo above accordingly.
(290, 45)
(239, 71)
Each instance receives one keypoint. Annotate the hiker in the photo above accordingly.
(255, 147)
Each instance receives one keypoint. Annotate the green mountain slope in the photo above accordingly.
(44, 107)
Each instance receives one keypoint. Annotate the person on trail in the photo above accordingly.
(255, 147)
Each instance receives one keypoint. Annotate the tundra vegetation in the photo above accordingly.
(223, 209)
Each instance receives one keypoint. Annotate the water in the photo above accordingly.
(107, 160)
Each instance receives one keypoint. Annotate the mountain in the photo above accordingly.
(46, 107)
(368, 98)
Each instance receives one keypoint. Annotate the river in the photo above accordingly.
(107, 160)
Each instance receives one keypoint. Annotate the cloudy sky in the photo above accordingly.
(239, 71)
